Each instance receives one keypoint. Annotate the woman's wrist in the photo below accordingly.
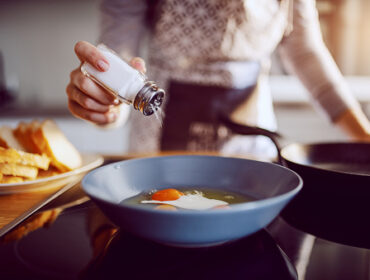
(122, 111)
(355, 124)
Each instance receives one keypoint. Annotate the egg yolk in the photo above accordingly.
(167, 195)
(166, 207)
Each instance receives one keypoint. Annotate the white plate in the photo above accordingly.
(88, 162)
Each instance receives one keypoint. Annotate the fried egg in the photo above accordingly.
(193, 201)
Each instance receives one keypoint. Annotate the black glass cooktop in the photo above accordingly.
(68, 250)
(82, 244)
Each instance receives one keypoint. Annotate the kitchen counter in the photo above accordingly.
(289, 90)
(296, 118)
(21, 111)
(86, 137)
(285, 90)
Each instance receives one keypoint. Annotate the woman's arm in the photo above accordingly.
(305, 55)
(355, 124)
(122, 25)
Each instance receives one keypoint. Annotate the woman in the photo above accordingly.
(213, 58)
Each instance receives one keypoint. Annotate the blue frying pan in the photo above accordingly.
(272, 186)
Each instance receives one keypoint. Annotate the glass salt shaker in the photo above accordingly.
(126, 83)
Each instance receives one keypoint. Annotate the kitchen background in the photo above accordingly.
(36, 56)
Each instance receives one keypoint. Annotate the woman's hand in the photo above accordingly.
(86, 99)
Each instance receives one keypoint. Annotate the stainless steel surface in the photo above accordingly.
(72, 197)
(149, 98)
(34, 209)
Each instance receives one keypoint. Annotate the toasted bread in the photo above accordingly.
(14, 169)
(23, 158)
(52, 171)
(10, 179)
(8, 139)
(3, 143)
(51, 141)
(23, 133)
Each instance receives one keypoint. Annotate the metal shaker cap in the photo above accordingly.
(149, 99)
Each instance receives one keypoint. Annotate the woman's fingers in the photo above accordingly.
(92, 89)
(95, 117)
(85, 101)
(139, 64)
(89, 53)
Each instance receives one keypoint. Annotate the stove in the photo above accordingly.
(83, 244)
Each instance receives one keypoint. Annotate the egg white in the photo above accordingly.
(191, 201)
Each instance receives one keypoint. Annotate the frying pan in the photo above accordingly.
(335, 201)
(272, 186)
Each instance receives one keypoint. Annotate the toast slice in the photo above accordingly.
(52, 171)
(51, 141)
(11, 179)
(23, 158)
(8, 140)
(19, 170)
(23, 133)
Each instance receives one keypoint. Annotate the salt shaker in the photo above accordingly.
(126, 83)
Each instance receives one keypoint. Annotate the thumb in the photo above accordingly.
(139, 64)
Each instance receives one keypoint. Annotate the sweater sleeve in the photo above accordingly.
(304, 54)
(123, 25)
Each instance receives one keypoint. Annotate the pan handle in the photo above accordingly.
(242, 129)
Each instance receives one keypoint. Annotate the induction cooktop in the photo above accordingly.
(67, 250)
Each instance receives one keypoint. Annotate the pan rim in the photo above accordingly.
(316, 144)
(238, 207)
